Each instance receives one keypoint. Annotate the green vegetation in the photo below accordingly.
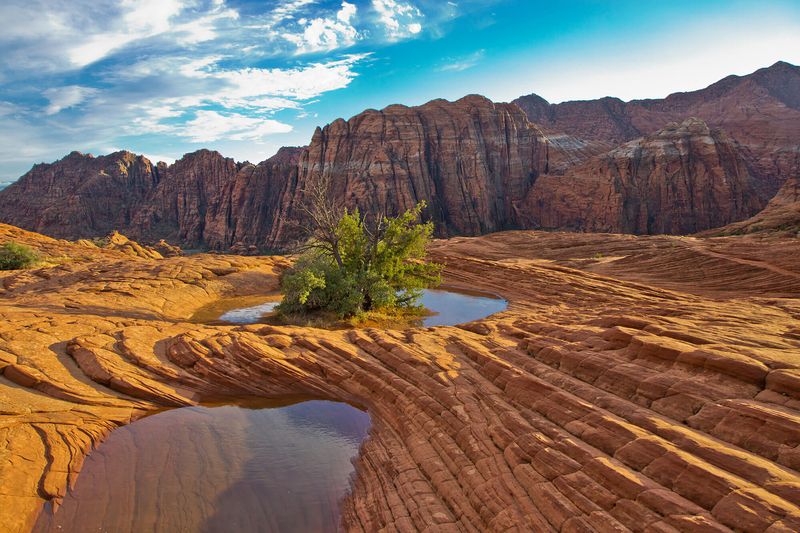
(15, 256)
(358, 266)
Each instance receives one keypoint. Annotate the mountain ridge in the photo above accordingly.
(481, 166)
(761, 111)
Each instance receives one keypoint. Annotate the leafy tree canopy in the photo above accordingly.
(353, 264)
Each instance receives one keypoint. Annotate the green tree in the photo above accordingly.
(354, 263)
(14, 256)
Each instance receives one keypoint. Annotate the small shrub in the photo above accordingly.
(15, 256)
(360, 265)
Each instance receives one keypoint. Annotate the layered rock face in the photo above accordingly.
(781, 216)
(207, 200)
(203, 200)
(761, 111)
(683, 179)
(480, 166)
(471, 161)
(80, 195)
(253, 204)
(180, 207)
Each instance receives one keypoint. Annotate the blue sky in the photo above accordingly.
(166, 77)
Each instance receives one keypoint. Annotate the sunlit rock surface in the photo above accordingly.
(633, 383)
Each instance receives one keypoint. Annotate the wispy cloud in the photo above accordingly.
(81, 74)
(260, 91)
(61, 35)
(66, 97)
(457, 64)
(211, 126)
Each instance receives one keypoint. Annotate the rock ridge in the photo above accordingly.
(480, 166)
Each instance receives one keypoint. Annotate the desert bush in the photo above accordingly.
(14, 256)
(354, 264)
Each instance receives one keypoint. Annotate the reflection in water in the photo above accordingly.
(457, 307)
(448, 307)
(248, 315)
(218, 469)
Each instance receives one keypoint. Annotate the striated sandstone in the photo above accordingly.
(635, 383)
(781, 216)
(471, 160)
(80, 195)
(203, 200)
(682, 179)
(761, 112)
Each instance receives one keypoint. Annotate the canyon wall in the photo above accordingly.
(81, 195)
(471, 161)
(683, 179)
(760, 111)
(480, 166)
(781, 216)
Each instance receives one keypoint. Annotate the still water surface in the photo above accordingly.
(447, 307)
(451, 307)
(251, 467)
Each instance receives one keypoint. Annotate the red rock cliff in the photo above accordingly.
(683, 179)
(480, 166)
(207, 200)
(470, 160)
(760, 111)
(80, 195)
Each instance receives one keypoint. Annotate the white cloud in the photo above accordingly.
(66, 97)
(208, 126)
(7, 108)
(265, 89)
(66, 35)
(140, 19)
(347, 12)
(399, 19)
(326, 34)
(230, 94)
(299, 83)
(205, 28)
(287, 10)
(461, 63)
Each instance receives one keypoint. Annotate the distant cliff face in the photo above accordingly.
(781, 216)
(471, 161)
(683, 179)
(760, 111)
(202, 200)
(602, 165)
(80, 195)
(207, 200)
